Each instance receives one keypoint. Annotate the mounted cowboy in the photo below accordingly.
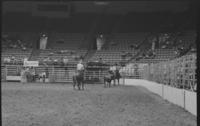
(80, 66)
(78, 78)
(117, 73)
(108, 78)
(115, 69)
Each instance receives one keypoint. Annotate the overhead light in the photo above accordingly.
(101, 3)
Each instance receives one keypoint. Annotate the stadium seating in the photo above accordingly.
(160, 55)
(57, 54)
(71, 46)
(3, 73)
(66, 40)
(124, 41)
(27, 38)
(119, 44)
(17, 54)
(111, 56)
(187, 37)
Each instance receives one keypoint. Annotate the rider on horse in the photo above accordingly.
(115, 70)
(80, 67)
(78, 78)
(108, 78)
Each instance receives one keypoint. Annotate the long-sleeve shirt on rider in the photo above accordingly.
(80, 66)
(113, 68)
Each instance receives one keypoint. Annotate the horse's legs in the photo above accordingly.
(74, 85)
(118, 80)
(82, 85)
(79, 85)
(109, 84)
(74, 82)
(105, 83)
(114, 82)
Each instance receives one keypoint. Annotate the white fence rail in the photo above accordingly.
(181, 97)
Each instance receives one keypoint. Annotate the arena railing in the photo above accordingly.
(179, 73)
(59, 73)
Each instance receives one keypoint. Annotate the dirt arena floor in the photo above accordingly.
(60, 105)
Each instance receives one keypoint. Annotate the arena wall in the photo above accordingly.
(191, 102)
(183, 98)
(151, 86)
(174, 95)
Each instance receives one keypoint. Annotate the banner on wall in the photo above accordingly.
(13, 78)
(31, 63)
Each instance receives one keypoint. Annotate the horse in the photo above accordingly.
(117, 76)
(108, 79)
(78, 79)
(114, 75)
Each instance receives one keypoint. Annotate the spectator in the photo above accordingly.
(132, 46)
(5, 59)
(9, 59)
(81, 57)
(72, 52)
(164, 47)
(193, 49)
(65, 60)
(19, 42)
(154, 54)
(46, 72)
(51, 54)
(143, 55)
(146, 56)
(12, 58)
(24, 48)
(55, 61)
(25, 59)
(23, 75)
(62, 51)
(28, 75)
(47, 59)
(14, 46)
(32, 73)
(100, 60)
(43, 76)
(167, 43)
(153, 45)
(150, 53)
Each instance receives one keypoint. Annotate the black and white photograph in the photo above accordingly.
(99, 63)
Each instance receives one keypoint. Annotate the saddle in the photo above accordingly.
(79, 73)
(108, 76)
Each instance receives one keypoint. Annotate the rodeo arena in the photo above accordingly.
(99, 63)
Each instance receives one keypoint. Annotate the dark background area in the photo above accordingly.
(80, 16)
